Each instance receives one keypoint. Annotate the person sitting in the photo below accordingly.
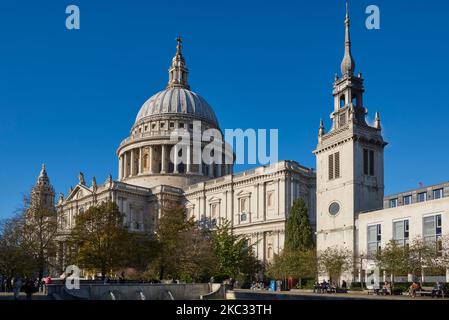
(386, 290)
(413, 289)
(317, 288)
(437, 290)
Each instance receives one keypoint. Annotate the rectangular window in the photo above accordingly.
(401, 232)
(438, 193)
(422, 197)
(337, 165)
(374, 239)
(331, 167)
(368, 162)
(432, 231)
(407, 200)
(334, 166)
(393, 203)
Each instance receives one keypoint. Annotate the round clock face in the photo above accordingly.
(334, 208)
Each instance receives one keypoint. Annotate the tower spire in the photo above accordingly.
(43, 177)
(178, 71)
(348, 63)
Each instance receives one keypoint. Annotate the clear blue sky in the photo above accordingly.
(68, 98)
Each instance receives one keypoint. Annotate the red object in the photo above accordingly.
(291, 283)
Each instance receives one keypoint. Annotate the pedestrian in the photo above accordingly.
(29, 288)
(17, 287)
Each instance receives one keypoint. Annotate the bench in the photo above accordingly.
(424, 291)
(427, 291)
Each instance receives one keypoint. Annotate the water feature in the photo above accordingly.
(112, 295)
(140, 295)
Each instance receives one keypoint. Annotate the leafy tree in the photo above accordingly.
(334, 261)
(425, 257)
(171, 235)
(298, 259)
(101, 241)
(197, 260)
(145, 250)
(278, 269)
(14, 260)
(299, 233)
(28, 240)
(394, 259)
(293, 263)
(232, 252)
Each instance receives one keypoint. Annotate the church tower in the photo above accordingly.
(43, 194)
(350, 160)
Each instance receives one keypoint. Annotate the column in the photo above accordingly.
(175, 159)
(141, 161)
(125, 168)
(132, 163)
(120, 167)
(219, 170)
(163, 159)
(189, 159)
(150, 158)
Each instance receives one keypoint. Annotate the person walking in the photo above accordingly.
(29, 288)
(17, 287)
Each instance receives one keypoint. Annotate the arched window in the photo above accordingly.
(342, 101)
(145, 161)
(270, 253)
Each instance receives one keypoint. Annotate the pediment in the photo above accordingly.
(243, 193)
(79, 191)
(214, 200)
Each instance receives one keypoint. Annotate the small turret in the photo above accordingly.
(377, 122)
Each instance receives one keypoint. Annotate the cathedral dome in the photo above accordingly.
(177, 101)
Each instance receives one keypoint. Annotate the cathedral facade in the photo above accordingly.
(345, 195)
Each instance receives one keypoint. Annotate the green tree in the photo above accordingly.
(299, 233)
(293, 263)
(334, 261)
(101, 241)
(232, 252)
(14, 259)
(394, 259)
(171, 233)
(425, 257)
(197, 259)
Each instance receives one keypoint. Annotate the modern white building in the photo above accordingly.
(345, 195)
